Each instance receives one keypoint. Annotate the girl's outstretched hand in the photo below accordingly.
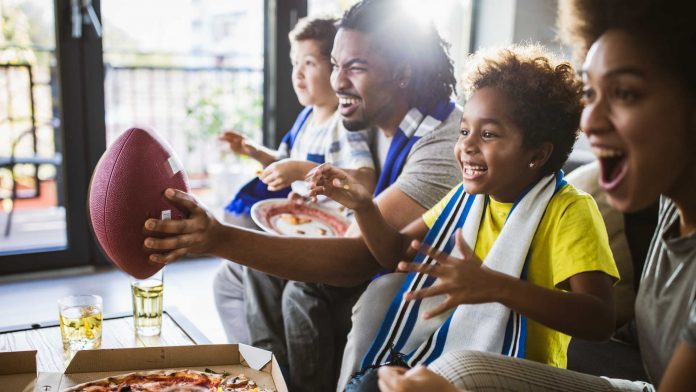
(197, 234)
(419, 378)
(338, 185)
(463, 281)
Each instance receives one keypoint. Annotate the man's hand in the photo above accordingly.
(281, 174)
(196, 235)
(238, 143)
(419, 378)
(464, 281)
(338, 185)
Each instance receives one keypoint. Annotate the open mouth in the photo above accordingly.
(613, 166)
(472, 171)
(348, 105)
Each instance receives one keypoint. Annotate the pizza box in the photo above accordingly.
(89, 365)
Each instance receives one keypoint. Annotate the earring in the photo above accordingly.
(402, 84)
(531, 164)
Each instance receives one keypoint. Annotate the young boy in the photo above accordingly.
(318, 134)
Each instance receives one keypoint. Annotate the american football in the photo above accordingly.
(126, 189)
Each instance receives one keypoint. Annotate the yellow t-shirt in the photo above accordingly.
(571, 239)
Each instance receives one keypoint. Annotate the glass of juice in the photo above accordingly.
(80, 322)
(147, 304)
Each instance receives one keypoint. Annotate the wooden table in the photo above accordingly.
(118, 332)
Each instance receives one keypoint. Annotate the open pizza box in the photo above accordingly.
(17, 371)
(89, 365)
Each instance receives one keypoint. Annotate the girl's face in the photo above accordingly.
(311, 72)
(490, 148)
(639, 122)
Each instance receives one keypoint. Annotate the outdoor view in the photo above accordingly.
(186, 68)
(32, 212)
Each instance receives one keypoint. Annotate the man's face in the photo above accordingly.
(363, 82)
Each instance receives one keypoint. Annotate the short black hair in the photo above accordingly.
(398, 36)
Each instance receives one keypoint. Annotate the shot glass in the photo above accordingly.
(147, 304)
(80, 322)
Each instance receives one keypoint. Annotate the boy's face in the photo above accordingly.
(490, 148)
(362, 80)
(310, 74)
(639, 122)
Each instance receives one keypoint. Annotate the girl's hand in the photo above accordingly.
(419, 378)
(281, 174)
(238, 143)
(198, 234)
(338, 185)
(463, 281)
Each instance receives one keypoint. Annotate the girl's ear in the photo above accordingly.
(541, 155)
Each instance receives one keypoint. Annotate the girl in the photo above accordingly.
(547, 268)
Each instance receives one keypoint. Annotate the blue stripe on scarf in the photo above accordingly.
(401, 146)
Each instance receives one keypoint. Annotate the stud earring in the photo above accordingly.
(402, 84)
(531, 164)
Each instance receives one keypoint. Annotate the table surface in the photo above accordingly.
(118, 332)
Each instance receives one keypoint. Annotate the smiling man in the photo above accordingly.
(390, 72)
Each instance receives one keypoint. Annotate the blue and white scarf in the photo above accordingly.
(415, 125)
(488, 327)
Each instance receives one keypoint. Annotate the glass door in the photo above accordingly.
(32, 187)
(188, 69)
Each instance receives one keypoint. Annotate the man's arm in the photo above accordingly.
(338, 261)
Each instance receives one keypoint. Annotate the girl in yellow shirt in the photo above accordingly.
(518, 127)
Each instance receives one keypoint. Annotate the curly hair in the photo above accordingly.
(403, 40)
(545, 92)
(665, 28)
(321, 30)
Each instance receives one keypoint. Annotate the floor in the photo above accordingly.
(187, 286)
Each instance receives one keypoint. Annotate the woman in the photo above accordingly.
(640, 117)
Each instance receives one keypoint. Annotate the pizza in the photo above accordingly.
(170, 381)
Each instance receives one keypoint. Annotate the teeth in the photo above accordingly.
(604, 152)
(347, 101)
(474, 169)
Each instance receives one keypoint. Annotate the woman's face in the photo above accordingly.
(490, 150)
(311, 73)
(639, 122)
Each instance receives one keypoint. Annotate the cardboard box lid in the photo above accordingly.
(18, 362)
(18, 370)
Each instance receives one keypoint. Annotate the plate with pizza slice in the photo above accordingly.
(183, 380)
(280, 216)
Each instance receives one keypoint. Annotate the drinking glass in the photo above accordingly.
(80, 322)
(147, 304)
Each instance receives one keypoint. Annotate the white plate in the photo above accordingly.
(308, 220)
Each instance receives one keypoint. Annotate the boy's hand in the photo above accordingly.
(281, 174)
(419, 378)
(195, 235)
(338, 185)
(238, 143)
(463, 281)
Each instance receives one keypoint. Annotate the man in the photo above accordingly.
(392, 73)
